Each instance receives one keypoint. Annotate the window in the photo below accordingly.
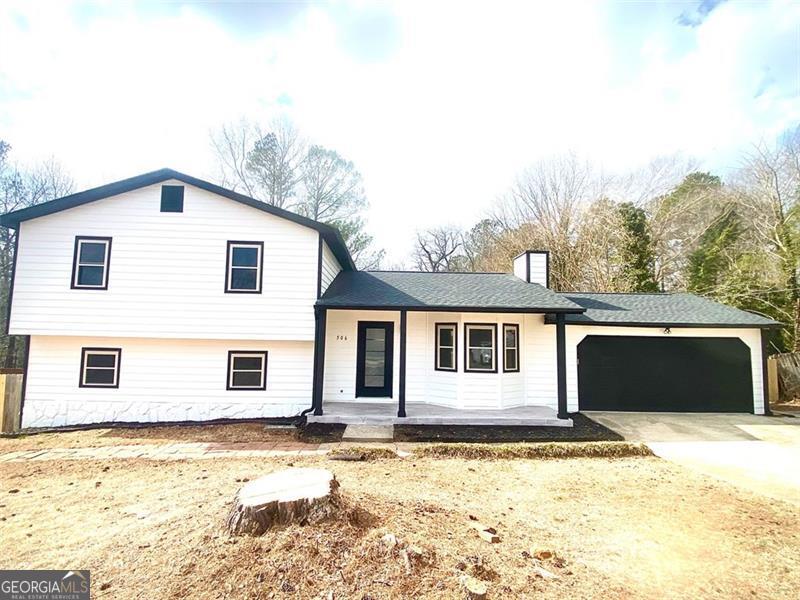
(172, 198)
(481, 341)
(511, 348)
(90, 263)
(446, 347)
(244, 267)
(247, 370)
(100, 367)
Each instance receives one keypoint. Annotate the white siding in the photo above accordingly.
(340, 353)
(162, 380)
(423, 382)
(539, 268)
(521, 267)
(330, 267)
(167, 272)
(575, 333)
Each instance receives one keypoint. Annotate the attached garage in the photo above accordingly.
(671, 374)
(667, 352)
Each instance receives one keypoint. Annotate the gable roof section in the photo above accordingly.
(330, 234)
(476, 292)
(662, 310)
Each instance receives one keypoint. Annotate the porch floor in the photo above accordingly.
(381, 413)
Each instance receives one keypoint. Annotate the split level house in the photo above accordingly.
(167, 298)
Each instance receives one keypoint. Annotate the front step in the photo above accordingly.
(368, 433)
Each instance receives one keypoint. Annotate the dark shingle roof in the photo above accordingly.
(443, 291)
(330, 234)
(667, 309)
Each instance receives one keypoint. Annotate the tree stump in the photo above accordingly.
(288, 496)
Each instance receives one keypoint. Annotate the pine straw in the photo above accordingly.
(543, 451)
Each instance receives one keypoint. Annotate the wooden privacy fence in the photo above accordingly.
(784, 377)
(10, 399)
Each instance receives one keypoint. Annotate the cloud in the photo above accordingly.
(439, 104)
(694, 18)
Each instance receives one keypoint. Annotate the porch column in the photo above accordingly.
(401, 407)
(561, 365)
(319, 358)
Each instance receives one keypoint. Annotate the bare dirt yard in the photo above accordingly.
(622, 528)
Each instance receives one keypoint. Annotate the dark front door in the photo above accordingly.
(374, 366)
(680, 374)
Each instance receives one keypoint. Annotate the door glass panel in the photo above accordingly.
(374, 357)
(373, 380)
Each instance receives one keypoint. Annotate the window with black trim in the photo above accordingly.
(446, 347)
(243, 272)
(90, 263)
(511, 348)
(100, 367)
(172, 198)
(480, 343)
(247, 370)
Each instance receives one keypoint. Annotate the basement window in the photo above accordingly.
(481, 344)
(90, 263)
(247, 370)
(511, 348)
(172, 198)
(446, 347)
(100, 367)
(243, 272)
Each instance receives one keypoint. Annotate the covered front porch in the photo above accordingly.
(384, 413)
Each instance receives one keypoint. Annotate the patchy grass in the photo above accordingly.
(540, 451)
(624, 528)
(362, 453)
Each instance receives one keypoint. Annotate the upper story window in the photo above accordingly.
(511, 348)
(481, 345)
(243, 273)
(90, 263)
(172, 198)
(100, 367)
(446, 347)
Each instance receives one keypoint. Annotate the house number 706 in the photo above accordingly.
(341, 337)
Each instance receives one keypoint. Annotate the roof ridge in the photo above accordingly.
(437, 272)
(629, 293)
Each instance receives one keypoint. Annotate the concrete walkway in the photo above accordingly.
(757, 453)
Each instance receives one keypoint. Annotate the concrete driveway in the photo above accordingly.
(760, 454)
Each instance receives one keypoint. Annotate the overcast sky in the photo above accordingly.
(439, 104)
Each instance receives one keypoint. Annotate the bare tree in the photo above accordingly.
(333, 189)
(264, 164)
(768, 197)
(437, 249)
(21, 188)
(543, 210)
(275, 162)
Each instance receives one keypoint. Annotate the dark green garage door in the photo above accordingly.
(664, 374)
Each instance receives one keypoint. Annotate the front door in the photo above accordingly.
(374, 366)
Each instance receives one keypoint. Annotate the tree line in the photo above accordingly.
(668, 227)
